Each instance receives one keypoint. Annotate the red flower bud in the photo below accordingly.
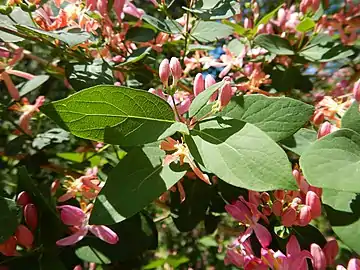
(314, 202)
(31, 216)
(331, 250)
(319, 260)
(318, 118)
(225, 94)
(288, 217)
(304, 217)
(324, 130)
(175, 68)
(54, 186)
(23, 198)
(164, 71)
(199, 84)
(279, 194)
(24, 236)
(8, 248)
(209, 81)
(277, 208)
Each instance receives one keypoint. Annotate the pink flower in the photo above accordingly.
(248, 214)
(176, 69)
(164, 71)
(199, 84)
(31, 216)
(78, 219)
(225, 94)
(24, 236)
(313, 200)
(295, 258)
(356, 90)
(324, 257)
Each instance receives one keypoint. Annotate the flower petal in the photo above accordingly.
(263, 235)
(74, 238)
(104, 233)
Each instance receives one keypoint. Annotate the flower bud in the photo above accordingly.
(265, 197)
(314, 202)
(225, 94)
(8, 248)
(23, 198)
(277, 208)
(4, 52)
(266, 210)
(199, 84)
(279, 194)
(175, 69)
(209, 81)
(354, 264)
(78, 267)
(331, 250)
(319, 260)
(304, 217)
(324, 130)
(31, 216)
(71, 215)
(281, 16)
(164, 71)
(288, 217)
(318, 118)
(356, 90)
(24, 236)
(54, 186)
(248, 23)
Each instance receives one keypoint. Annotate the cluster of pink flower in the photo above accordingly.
(23, 235)
(294, 208)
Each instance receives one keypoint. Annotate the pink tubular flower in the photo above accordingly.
(313, 200)
(164, 71)
(225, 94)
(183, 154)
(78, 219)
(248, 214)
(325, 129)
(23, 198)
(199, 84)
(209, 81)
(31, 216)
(176, 69)
(295, 258)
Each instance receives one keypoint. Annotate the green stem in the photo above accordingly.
(187, 32)
(175, 109)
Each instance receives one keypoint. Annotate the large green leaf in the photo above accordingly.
(333, 161)
(305, 25)
(8, 218)
(274, 44)
(112, 114)
(167, 26)
(201, 99)
(279, 117)
(300, 141)
(351, 118)
(33, 84)
(343, 212)
(136, 235)
(208, 31)
(240, 154)
(134, 183)
(325, 51)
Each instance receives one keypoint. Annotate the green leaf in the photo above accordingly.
(326, 52)
(187, 214)
(136, 56)
(237, 28)
(112, 114)
(33, 84)
(343, 212)
(279, 117)
(16, 146)
(140, 34)
(167, 26)
(240, 154)
(333, 161)
(264, 20)
(201, 99)
(82, 76)
(136, 235)
(175, 127)
(20, 17)
(71, 36)
(236, 47)
(8, 218)
(221, 10)
(54, 135)
(80, 157)
(305, 25)
(274, 44)
(195, 47)
(351, 118)
(300, 141)
(208, 31)
(135, 182)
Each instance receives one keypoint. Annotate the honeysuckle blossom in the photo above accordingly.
(78, 219)
(182, 154)
(229, 60)
(248, 214)
(354, 264)
(295, 258)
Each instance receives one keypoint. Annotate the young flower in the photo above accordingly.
(248, 214)
(31, 216)
(8, 248)
(24, 236)
(78, 220)
(164, 72)
(183, 154)
(199, 84)
(354, 264)
(176, 70)
(356, 90)
(225, 95)
(209, 81)
(23, 198)
(313, 200)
